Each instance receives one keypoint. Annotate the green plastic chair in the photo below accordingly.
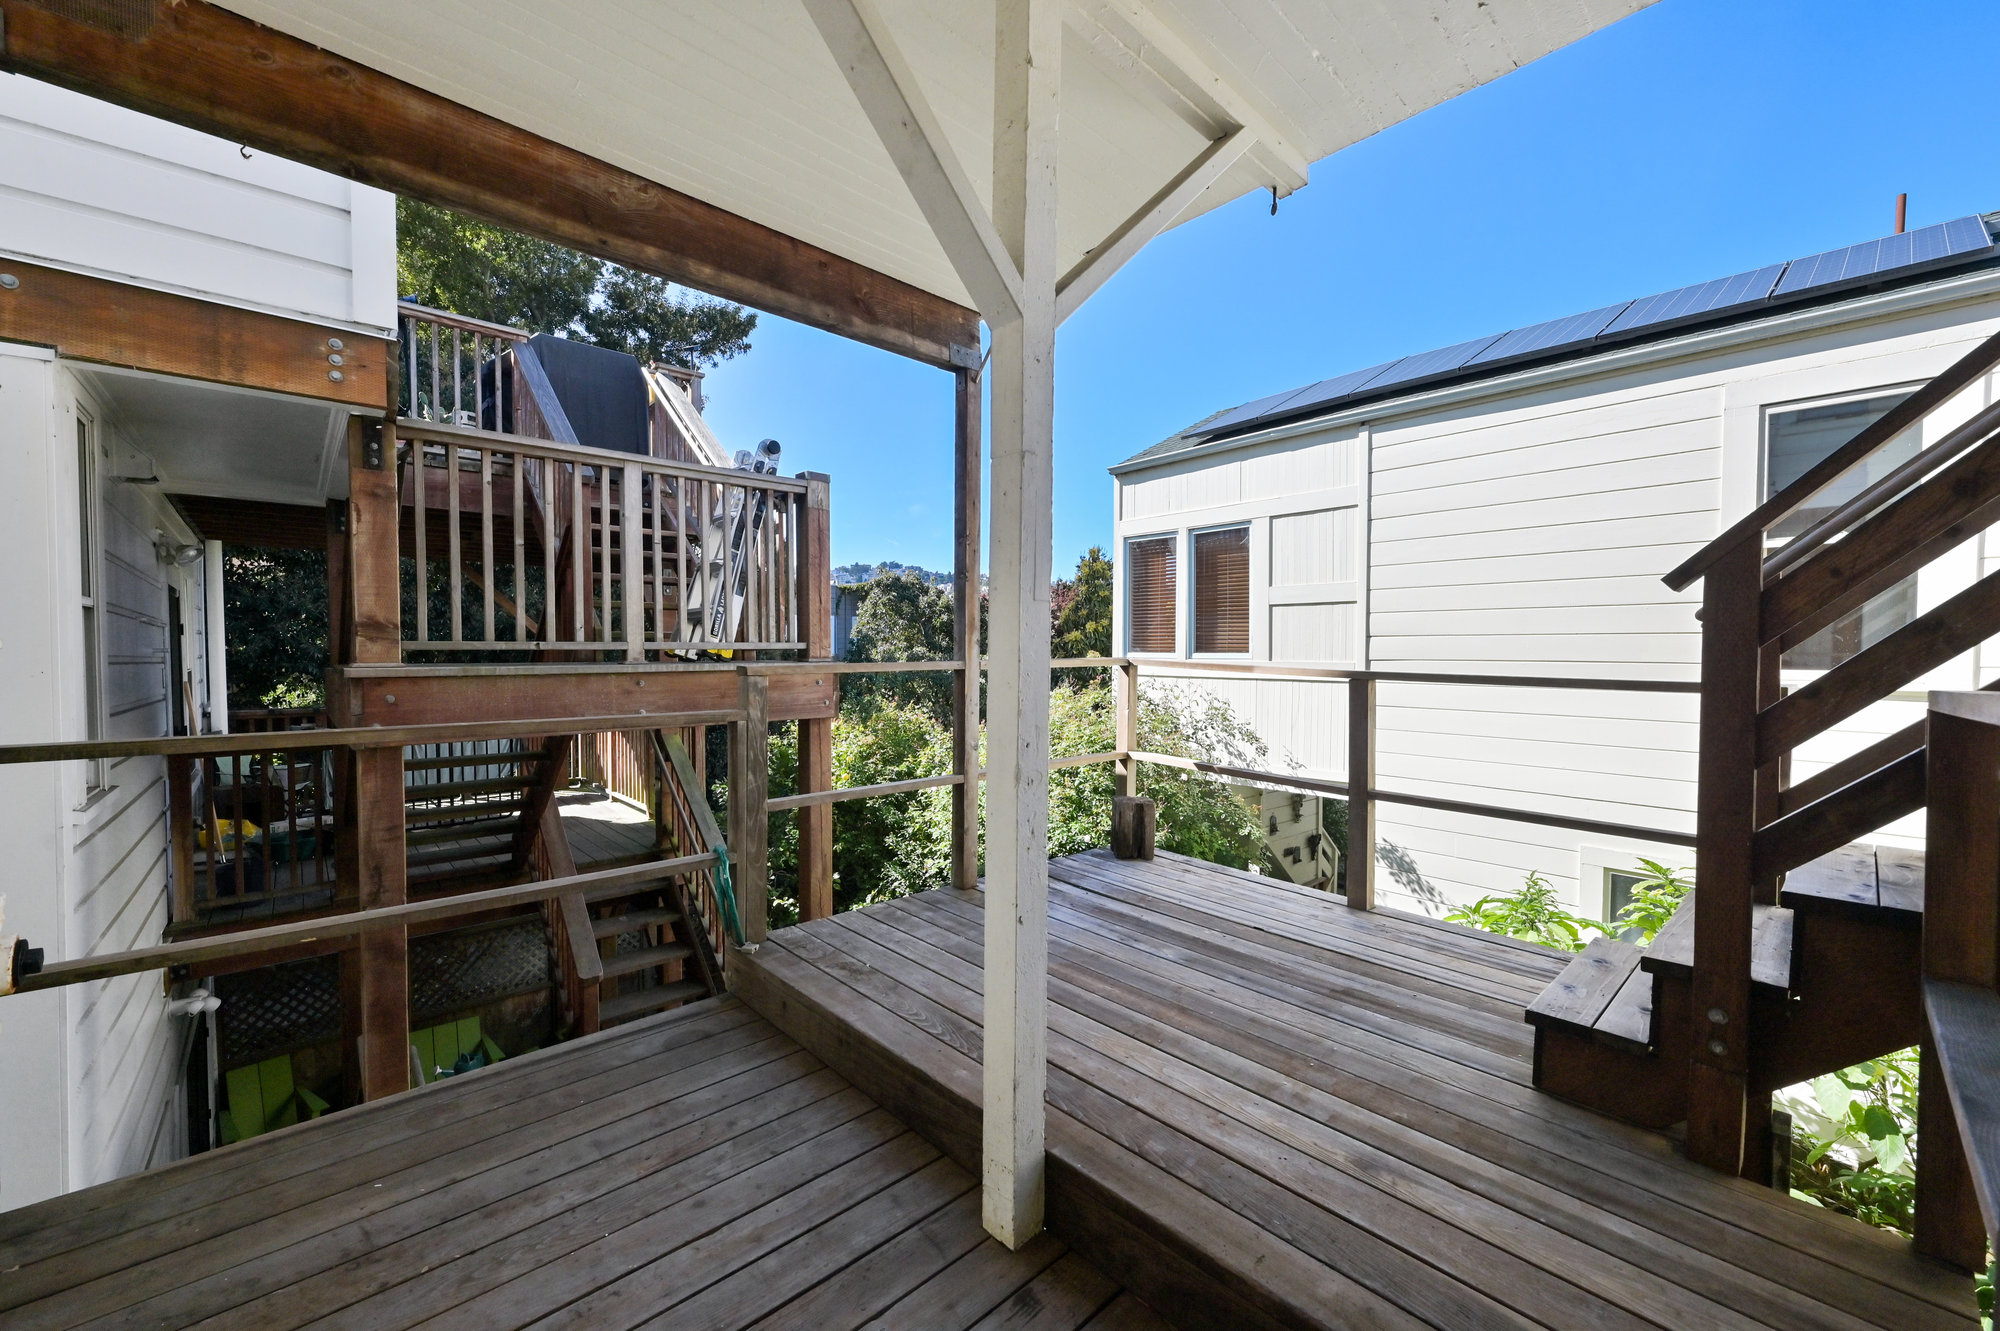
(264, 1097)
(452, 1048)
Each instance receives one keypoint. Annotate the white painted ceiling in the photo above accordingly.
(739, 103)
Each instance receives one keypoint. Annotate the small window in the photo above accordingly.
(1222, 591)
(1794, 441)
(88, 599)
(1149, 594)
(1618, 895)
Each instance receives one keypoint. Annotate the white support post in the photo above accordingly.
(217, 649)
(1026, 93)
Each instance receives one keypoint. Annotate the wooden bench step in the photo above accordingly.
(645, 958)
(1865, 882)
(1587, 986)
(454, 812)
(477, 827)
(609, 926)
(640, 1002)
(1672, 950)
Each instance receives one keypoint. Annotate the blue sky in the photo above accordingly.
(1693, 140)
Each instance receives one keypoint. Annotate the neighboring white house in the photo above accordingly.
(1508, 506)
(104, 606)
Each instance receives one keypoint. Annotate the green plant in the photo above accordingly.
(1854, 1140)
(1532, 913)
(1657, 895)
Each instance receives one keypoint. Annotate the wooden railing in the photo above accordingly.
(545, 547)
(1958, 1094)
(460, 371)
(251, 832)
(1757, 605)
(264, 720)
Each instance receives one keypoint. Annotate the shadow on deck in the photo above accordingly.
(1267, 1110)
(696, 1169)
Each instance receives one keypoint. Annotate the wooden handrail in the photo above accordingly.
(415, 431)
(1824, 826)
(354, 737)
(1909, 411)
(409, 309)
(1963, 1018)
(195, 951)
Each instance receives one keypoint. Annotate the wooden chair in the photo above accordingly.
(264, 1097)
(436, 1050)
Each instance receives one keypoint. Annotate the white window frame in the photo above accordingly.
(89, 586)
(1189, 588)
(1175, 537)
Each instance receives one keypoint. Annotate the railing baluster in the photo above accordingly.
(437, 403)
(420, 455)
(487, 577)
(457, 379)
(457, 555)
(547, 503)
(681, 515)
(659, 566)
(520, 480)
(579, 540)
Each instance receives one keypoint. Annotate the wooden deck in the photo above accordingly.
(1269, 1110)
(696, 1170)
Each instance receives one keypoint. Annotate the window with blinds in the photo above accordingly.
(1149, 594)
(1222, 590)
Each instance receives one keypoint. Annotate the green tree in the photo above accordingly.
(274, 604)
(453, 262)
(902, 617)
(1080, 608)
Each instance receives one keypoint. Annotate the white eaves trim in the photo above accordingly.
(1964, 289)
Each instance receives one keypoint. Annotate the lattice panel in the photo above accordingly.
(467, 967)
(276, 1009)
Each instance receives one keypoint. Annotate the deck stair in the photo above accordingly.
(1611, 1032)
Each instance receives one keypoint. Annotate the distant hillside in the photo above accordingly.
(850, 573)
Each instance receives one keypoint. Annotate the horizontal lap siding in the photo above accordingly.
(1528, 537)
(122, 1046)
(100, 189)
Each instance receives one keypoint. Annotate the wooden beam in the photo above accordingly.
(1026, 96)
(965, 600)
(428, 695)
(1158, 213)
(1359, 876)
(749, 819)
(116, 323)
(894, 102)
(200, 65)
(374, 566)
(383, 952)
(1725, 821)
(816, 733)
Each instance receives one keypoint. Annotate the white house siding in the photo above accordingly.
(93, 1090)
(103, 190)
(1525, 532)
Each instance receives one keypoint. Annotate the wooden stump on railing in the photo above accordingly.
(749, 788)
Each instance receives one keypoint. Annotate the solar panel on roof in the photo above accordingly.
(1696, 302)
(1871, 259)
(1249, 411)
(1536, 339)
(1427, 364)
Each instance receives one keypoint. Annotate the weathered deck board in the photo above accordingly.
(1324, 1115)
(697, 1169)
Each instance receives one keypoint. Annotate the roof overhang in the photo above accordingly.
(720, 144)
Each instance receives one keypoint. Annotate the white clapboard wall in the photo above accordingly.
(98, 189)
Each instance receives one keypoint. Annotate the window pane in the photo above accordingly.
(1794, 441)
(1149, 594)
(86, 490)
(1222, 590)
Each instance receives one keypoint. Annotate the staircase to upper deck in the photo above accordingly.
(1801, 952)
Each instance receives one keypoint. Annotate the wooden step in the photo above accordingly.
(1862, 882)
(610, 926)
(642, 1001)
(467, 851)
(455, 789)
(477, 827)
(1672, 950)
(454, 812)
(645, 958)
(1605, 993)
(474, 760)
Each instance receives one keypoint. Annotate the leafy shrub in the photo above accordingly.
(1655, 898)
(1854, 1140)
(1532, 913)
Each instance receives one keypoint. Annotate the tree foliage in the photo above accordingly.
(275, 608)
(453, 262)
(902, 617)
(1080, 608)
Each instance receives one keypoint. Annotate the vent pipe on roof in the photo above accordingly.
(1902, 210)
